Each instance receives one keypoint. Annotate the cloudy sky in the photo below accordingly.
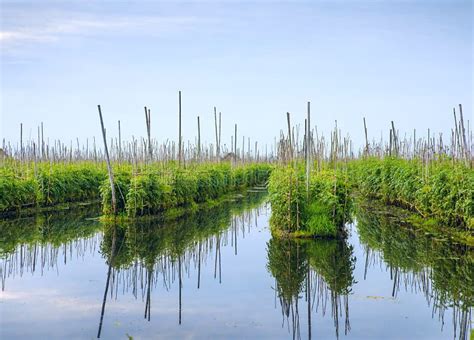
(407, 61)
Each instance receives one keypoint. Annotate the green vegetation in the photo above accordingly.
(321, 211)
(440, 190)
(156, 189)
(144, 190)
(443, 190)
(26, 186)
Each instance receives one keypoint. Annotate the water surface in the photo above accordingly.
(219, 274)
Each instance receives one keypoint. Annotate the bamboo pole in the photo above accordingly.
(21, 141)
(148, 132)
(199, 139)
(289, 134)
(463, 133)
(235, 143)
(217, 135)
(220, 133)
(308, 150)
(109, 167)
(366, 139)
(180, 141)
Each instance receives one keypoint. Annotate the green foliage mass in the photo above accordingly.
(146, 190)
(156, 189)
(74, 182)
(26, 185)
(319, 211)
(122, 179)
(443, 190)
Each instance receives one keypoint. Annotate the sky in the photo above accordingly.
(406, 61)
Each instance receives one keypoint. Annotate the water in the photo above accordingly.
(219, 274)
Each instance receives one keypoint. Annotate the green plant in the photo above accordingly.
(320, 210)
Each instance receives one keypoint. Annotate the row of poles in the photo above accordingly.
(315, 146)
(138, 150)
(290, 147)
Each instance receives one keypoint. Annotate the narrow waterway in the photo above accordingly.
(219, 274)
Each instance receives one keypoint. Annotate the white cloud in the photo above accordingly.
(58, 29)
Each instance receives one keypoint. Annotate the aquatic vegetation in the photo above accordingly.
(45, 184)
(442, 189)
(74, 182)
(155, 190)
(122, 179)
(142, 190)
(17, 192)
(321, 209)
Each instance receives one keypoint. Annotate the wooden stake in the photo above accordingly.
(21, 141)
(235, 144)
(217, 135)
(179, 136)
(366, 139)
(120, 140)
(109, 167)
(199, 139)
(289, 134)
(308, 149)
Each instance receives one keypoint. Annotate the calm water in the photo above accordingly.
(219, 274)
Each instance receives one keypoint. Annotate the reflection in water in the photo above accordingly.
(312, 278)
(143, 253)
(321, 269)
(43, 240)
(439, 269)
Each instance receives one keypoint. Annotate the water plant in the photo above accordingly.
(443, 189)
(141, 190)
(317, 208)
(156, 190)
(44, 184)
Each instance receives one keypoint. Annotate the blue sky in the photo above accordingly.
(407, 61)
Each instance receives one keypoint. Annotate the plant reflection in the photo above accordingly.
(144, 253)
(46, 239)
(418, 262)
(322, 270)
